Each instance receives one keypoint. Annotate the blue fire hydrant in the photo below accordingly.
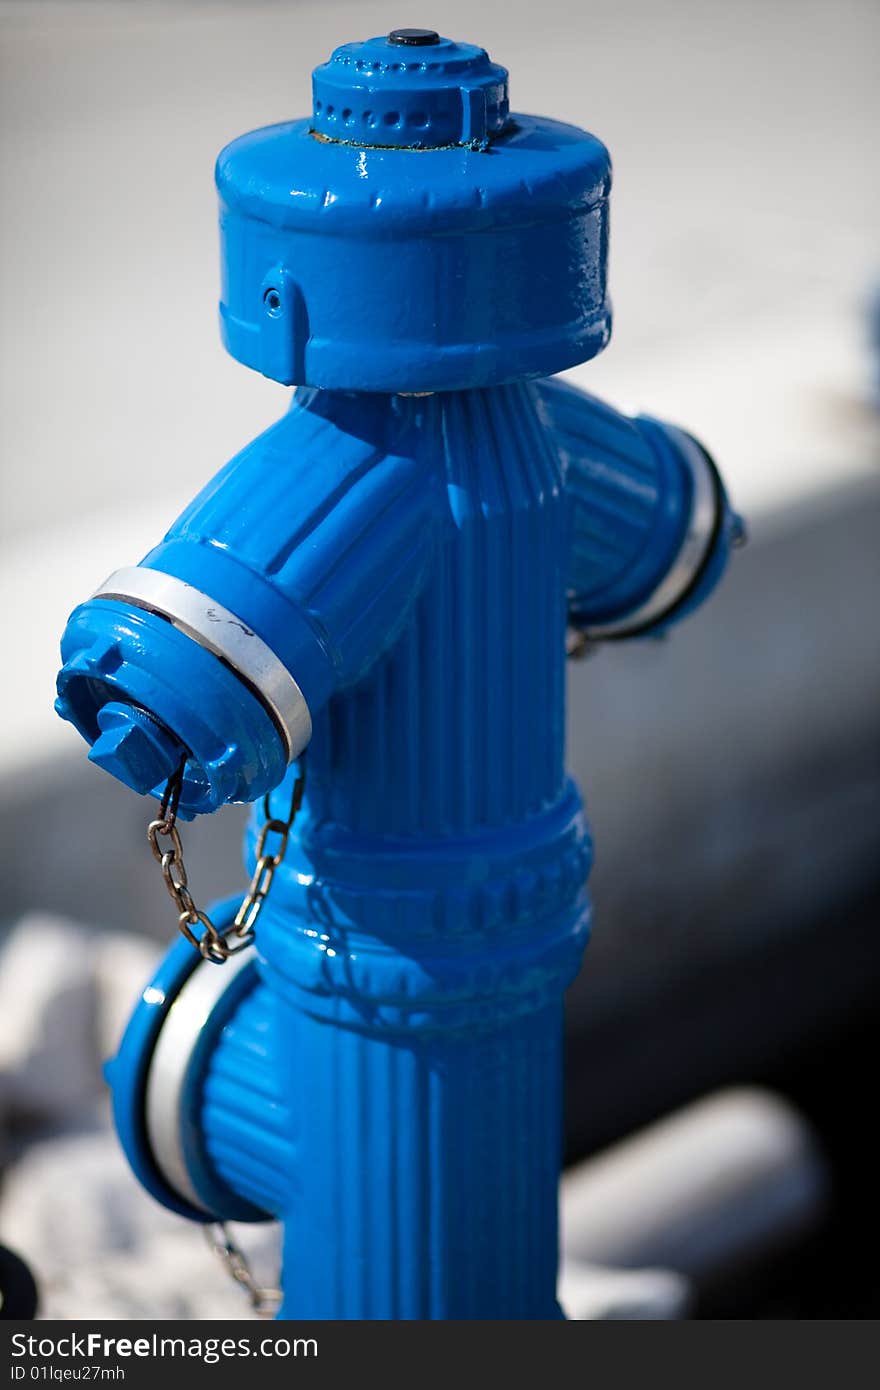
(388, 576)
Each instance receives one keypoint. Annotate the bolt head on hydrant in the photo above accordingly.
(134, 747)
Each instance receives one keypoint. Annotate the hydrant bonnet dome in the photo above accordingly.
(411, 89)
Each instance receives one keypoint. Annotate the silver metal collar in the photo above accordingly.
(170, 1063)
(691, 555)
(226, 635)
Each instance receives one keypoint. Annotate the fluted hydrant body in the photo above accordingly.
(387, 576)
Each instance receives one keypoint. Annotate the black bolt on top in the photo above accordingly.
(414, 38)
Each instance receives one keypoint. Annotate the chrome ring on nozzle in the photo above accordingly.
(226, 635)
(692, 554)
(169, 1071)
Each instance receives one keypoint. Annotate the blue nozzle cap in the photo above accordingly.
(411, 89)
(134, 747)
(130, 678)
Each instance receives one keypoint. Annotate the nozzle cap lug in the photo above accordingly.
(134, 747)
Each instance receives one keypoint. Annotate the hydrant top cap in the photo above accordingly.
(411, 234)
(410, 89)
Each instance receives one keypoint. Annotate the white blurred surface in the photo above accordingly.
(723, 1183)
(589, 1293)
(113, 1252)
(744, 249)
(66, 993)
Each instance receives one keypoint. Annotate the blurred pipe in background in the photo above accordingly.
(715, 1189)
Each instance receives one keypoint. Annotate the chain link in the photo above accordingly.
(265, 1302)
(164, 837)
(578, 645)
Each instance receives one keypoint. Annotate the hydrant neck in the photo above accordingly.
(459, 727)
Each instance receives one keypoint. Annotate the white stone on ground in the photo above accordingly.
(100, 1247)
(589, 1292)
(48, 1012)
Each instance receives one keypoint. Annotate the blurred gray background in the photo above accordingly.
(731, 772)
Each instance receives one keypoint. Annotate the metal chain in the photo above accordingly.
(265, 1302)
(578, 645)
(164, 837)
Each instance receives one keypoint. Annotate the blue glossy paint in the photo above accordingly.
(127, 1072)
(388, 1080)
(410, 96)
(356, 258)
(116, 654)
(242, 1143)
(233, 1126)
(630, 488)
